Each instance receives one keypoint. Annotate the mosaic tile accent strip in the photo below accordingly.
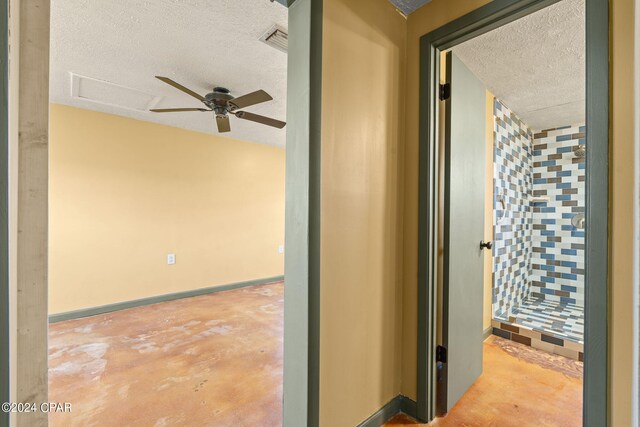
(540, 340)
(512, 216)
(557, 260)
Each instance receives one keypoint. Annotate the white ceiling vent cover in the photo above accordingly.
(276, 37)
(107, 93)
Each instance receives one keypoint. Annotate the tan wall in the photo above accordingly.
(362, 121)
(621, 210)
(125, 193)
(438, 13)
(488, 214)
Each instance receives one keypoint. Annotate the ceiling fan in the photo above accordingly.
(222, 103)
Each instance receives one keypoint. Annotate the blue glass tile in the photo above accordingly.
(547, 256)
(548, 163)
(563, 173)
(548, 244)
(570, 264)
(567, 300)
(548, 279)
(548, 221)
(577, 233)
(563, 185)
(563, 138)
(566, 227)
(569, 252)
(569, 276)
(540, 180)
(563, 197)
(564, 150)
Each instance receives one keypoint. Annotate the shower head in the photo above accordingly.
(580, 151)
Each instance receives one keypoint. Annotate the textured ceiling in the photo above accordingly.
(198, 43)
(408, 6)
(535, 65)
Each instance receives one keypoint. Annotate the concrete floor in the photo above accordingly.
(212, 360)
(520, 387)
(216, 360)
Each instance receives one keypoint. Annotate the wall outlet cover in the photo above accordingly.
(171, 259)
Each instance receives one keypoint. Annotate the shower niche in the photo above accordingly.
(539, 234)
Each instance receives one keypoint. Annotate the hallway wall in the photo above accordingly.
(363, 74)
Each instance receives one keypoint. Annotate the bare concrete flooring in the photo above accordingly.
(212, 360)
(520, 387)
(216, 360)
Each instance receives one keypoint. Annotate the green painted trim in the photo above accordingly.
(108, 308)
(397, 405)
(480, 21)
(4, 212)
(487, 333)
(595, 410)
(301, 402)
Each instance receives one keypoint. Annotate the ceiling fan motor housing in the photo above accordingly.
(217, 101)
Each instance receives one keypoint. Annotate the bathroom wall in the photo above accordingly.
(513, 185)
(557, 260)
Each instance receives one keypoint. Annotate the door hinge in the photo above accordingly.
(445, 91)
(441, 354)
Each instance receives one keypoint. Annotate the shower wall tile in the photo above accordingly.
(512, 216)
(557, 260)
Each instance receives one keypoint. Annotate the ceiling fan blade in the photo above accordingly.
(176, 110)
(178, 86)
(260, 119)
(249, 99)
(223, 123)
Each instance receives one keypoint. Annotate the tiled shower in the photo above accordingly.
(538, 219)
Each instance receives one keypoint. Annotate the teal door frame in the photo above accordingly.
(480, 21)
(302, 215)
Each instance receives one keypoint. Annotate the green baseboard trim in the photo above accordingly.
(487, 333)
(92, 311)
(399, 404)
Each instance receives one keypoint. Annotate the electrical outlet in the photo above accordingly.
(171, 259)
(281, 249)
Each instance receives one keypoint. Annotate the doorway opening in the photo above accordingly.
(167, 212)
(527, 273)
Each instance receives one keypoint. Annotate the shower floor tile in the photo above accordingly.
(563, 320)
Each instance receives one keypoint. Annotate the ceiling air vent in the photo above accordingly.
(276, 37)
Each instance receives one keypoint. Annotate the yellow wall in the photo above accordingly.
(438, 13)
(362, 134)
(621, 209)
(125, 193)
(488, 213)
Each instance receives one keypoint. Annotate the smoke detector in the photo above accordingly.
(276, 37)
